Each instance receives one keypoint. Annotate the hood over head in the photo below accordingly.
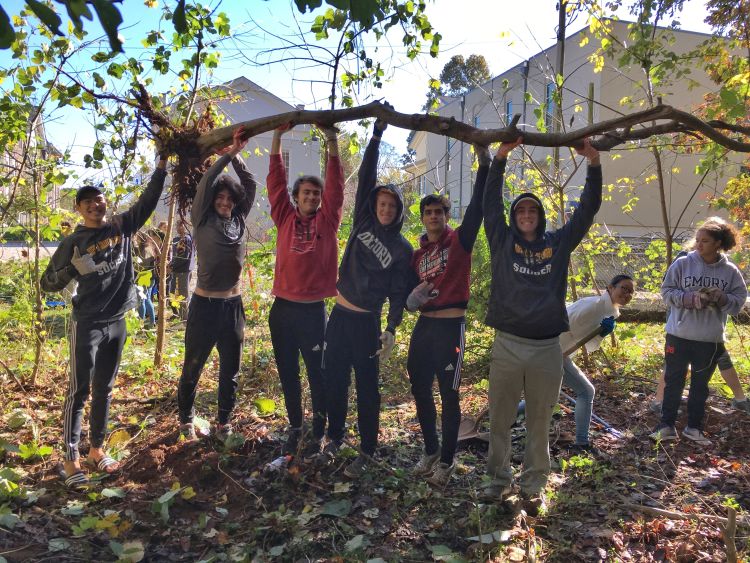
(396, 192)
(540, 228)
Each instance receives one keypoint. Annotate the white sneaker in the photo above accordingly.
(696, 436)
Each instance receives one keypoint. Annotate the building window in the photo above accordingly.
(285, 158)
(549, 100)
(508, 111)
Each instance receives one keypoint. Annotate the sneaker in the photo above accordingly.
(311, 449)
(442, 474)
(655, 407)
(495, 492)
(358, 467)
(581, 449)
(696, 436)
(292, 441)
(534, 504)
(188, 433)
(743, 405)
(664, 433)
(425, 465)
(223, 432)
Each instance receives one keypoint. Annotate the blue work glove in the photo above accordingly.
(608, 326)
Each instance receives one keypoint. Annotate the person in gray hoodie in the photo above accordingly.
(700, 289)
(527, 309)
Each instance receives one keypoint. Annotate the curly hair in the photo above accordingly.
(721, 230)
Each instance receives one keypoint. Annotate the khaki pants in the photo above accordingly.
(534, 368)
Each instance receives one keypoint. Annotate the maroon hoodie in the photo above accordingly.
(306, 247)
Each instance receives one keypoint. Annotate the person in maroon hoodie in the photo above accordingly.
(442, 263)
(305, 274)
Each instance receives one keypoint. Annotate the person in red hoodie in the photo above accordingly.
(305, 274)
(442, 263)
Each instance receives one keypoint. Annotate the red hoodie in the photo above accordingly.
(446, 264)
(306, 247)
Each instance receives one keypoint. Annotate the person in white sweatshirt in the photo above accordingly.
(701, 289)
(586, 316)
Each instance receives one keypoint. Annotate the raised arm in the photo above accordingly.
(467, 232)
(135, 217)
(493, 205)
(368, 170)
(204, 194)
(276, 183)
(591, 198)
(247, 181)
(333, 194)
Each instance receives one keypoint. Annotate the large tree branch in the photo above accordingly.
(612, 132)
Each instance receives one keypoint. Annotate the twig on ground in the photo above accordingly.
(729, 531)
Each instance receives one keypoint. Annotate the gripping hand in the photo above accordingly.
(420, 295)
(387, 342)
(608, 326)
(85, 264)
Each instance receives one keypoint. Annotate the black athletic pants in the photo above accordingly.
(299, 328)
(437, 349)
(702, 357)
(95, 351)
(212, 321)
(351, 340)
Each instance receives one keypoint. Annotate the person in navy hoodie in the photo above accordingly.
(304, 275)
(375, 267)
(442, 263)
(99, 255)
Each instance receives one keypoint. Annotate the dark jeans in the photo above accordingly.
(95, 351)
(351, 340)
(299, 328)
(437, 349)
(212, 322)
(702, 357)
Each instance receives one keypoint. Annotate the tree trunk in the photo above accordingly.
(37, 329)
(161, 310)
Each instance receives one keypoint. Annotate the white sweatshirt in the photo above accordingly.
(584, 316)
(691, 273)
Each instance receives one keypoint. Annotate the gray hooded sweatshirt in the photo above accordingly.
(690, 273)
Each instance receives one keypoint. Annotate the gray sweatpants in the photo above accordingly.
(534, 368)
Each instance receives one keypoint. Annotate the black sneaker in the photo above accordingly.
(311, 449)
(358, 467)
(664, 433)
(292, 441)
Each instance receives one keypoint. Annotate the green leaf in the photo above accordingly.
(110, 18)
(265, 406)
(114, 492)
(7, 33)
(169, 495)
(337, 508)
(58, 544)
(7, 518)
(47, 15)
(18, 418)
(357, 542)
(179, 19)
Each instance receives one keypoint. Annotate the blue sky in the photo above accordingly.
(504, 32)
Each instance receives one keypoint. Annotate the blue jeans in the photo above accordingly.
(583, 389)
(146, 308)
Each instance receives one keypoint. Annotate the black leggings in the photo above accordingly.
(299, 328)
(352, 338)
(95, 351)
(437, 349)
(212, 321)
(679, 353)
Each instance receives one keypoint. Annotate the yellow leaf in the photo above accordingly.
(188, 493)
(175, 485)
(584, 41)
(118, 437)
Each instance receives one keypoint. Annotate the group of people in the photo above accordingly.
(535, 334)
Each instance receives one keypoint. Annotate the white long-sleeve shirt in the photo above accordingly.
(584, 316)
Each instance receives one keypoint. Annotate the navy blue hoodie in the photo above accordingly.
(530, 279)
(377, 260)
